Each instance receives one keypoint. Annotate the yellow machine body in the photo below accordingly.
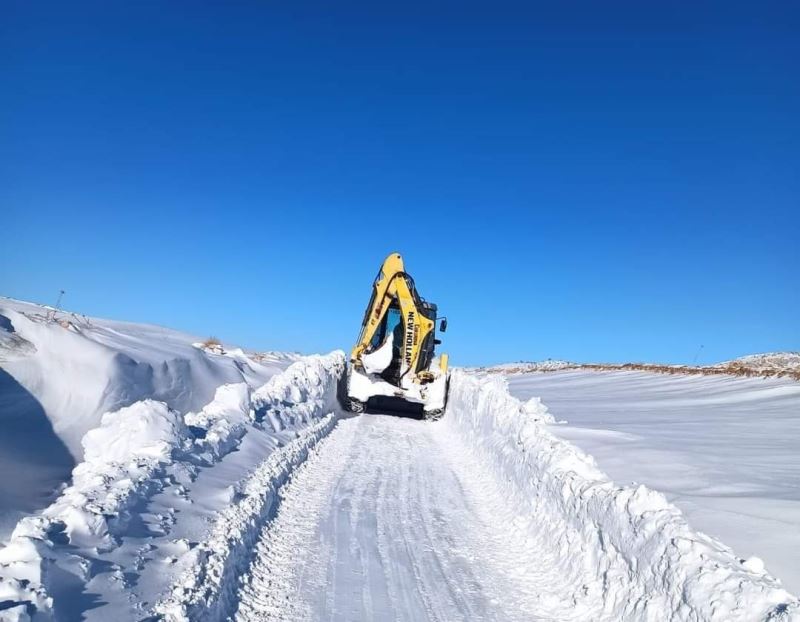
(394, 354)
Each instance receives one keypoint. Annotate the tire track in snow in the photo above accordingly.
(385, 522)
(285, 564)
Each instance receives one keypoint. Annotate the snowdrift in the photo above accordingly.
(303, 398)
(60, 372)
(79, 367)
(629, 552)
(135, 452)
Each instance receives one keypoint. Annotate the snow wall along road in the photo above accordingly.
(141, 450)
(628, 551)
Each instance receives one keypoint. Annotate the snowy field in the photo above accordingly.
(723, 449)
(212, 484)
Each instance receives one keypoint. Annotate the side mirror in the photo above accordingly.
(443, 325)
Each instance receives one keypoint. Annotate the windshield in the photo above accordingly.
(390, 322)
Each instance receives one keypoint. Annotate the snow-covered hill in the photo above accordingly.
(523, 366)
(59, 372)
(769, 365)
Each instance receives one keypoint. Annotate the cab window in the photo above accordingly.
(390, 322)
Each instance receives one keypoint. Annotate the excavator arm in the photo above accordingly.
(391, 365)
(394, 288)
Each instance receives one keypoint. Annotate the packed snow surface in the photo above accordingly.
(388, 522)
(723, 449)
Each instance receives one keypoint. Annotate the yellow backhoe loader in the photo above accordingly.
(393, 364)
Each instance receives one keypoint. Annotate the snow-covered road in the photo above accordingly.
(482, 515)
(388, 521)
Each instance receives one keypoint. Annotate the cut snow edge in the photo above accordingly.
(631, 551)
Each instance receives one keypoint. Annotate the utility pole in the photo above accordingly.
(52, 314)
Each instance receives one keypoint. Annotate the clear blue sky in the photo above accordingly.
(596, 181)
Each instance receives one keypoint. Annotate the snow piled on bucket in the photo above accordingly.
(628, 551)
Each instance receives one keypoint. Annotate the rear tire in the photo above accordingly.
(355, 406)
(438, 413)
(433, 415)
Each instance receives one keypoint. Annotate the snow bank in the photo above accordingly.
(627, 549)
(60, 372)
(222, 422)
(125, 458)
(79, 368)
(722, 449)
(148, 430)
(303, 396)
(207, 591)
(126, 461)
